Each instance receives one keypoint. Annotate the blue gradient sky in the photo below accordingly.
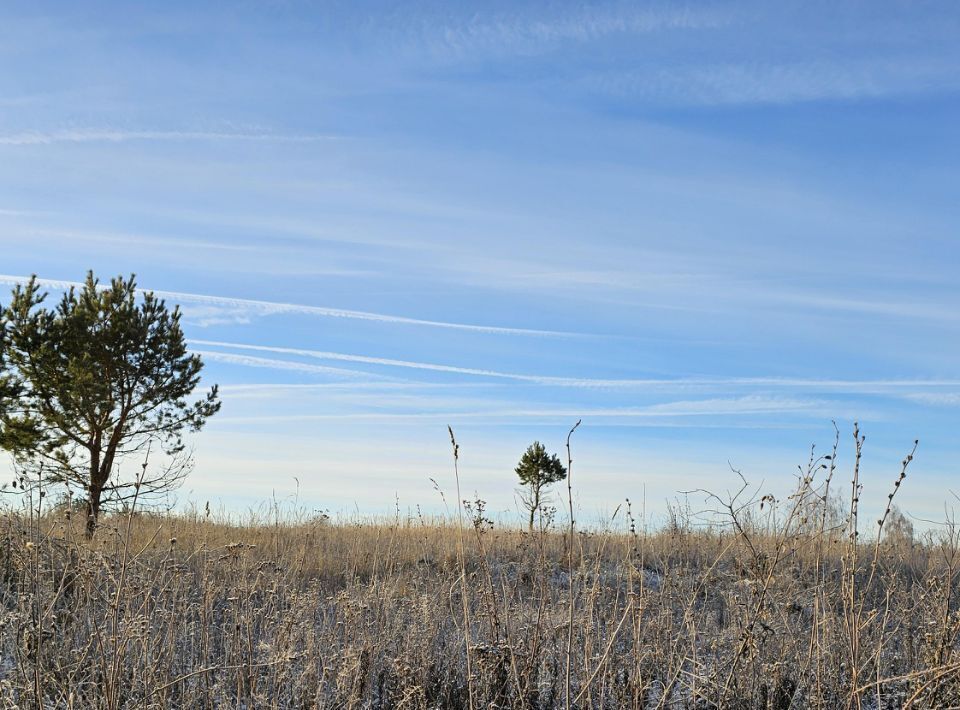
(707, 229)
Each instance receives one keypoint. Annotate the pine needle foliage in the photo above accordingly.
(537, 470)
(102, 376)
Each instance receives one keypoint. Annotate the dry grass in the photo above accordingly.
(773, 605)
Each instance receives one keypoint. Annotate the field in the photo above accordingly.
(773, 604)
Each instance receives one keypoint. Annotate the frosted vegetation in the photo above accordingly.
(762, 604)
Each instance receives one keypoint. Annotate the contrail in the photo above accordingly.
(323, 355)
(266, 308)
(786, 382)
(671, 410)
(272, 364)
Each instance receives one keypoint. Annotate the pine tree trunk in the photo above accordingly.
(534, 503)
(93, 489)
(101, 463)
(93, 509)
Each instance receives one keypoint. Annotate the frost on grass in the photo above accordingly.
(756, 610)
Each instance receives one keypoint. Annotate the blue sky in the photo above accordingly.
(706, 229)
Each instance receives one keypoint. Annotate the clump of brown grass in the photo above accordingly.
(786, 609)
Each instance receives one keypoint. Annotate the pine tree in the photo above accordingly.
(537, 470)
(102, 376)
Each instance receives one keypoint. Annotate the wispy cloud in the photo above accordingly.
(532, 30)
(252, 308)
(167, 242)
(909, 309)
(268, 308)
(17, 213)
(20, 101)
(750, 404)
(939, 399)
(369, 360)
(784, 83)
(26, 138)
(250, 361)
(263, 390)
(831, 385)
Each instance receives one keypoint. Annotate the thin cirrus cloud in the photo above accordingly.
(830, 67)
(267, 390)
(937, 399)
(16, 213)
(144, 240)
(526, 33)
(249, 307)
(28, 138)
(900, 309)
(721, 84)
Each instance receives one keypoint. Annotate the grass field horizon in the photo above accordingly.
(797, 602)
